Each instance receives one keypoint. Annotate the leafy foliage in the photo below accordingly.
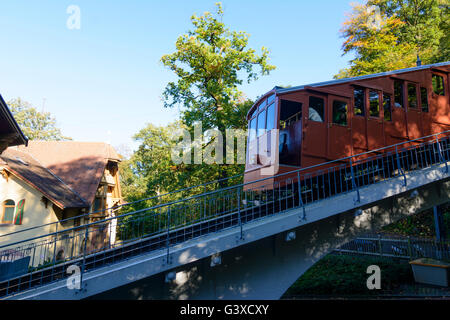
(34, 124)
(395, 37)
(209, 62)
(420, 224)
(346, 275)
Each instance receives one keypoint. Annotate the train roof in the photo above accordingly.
(280, 90)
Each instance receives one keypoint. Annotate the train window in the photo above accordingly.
(412, 96)
(387, 107)
(359, 108)
(438, 84)
(316, 109)
(424, 99)
(252, 127)
(340, 112)
(270, 117)
(374, 104)
(261, 123)
(398, 94)
(290, 113)
(262, 105)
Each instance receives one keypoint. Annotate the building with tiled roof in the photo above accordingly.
(51, 182)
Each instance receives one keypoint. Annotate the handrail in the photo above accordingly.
(210, 192)
(163, 225)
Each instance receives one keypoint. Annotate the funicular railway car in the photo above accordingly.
(332, 120)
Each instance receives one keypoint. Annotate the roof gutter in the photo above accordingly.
(12, 122)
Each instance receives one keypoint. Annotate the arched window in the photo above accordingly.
(8, 211)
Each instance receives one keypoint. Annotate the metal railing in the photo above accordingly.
(397, 247)
(165, 224)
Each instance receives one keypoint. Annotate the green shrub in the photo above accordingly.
(347, 275)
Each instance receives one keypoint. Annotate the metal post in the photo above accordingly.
(399, 167)
(54, 251)
(439, 223)
(168, 234)
(379, 245)
(409, 247)
(354, 185)
(239, 212)
(441, 157)
(83, 267)
(300, 196)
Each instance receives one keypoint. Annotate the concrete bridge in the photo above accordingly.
(253, 253)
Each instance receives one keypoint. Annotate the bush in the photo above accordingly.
(346, 275)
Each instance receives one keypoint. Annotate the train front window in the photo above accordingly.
(316, 109)
(424, 99)
(252, 129)
(261, 123)
(374, 104)
(398, 94)
(387, 107)
(438, 84)
(360, 99)
(340, 112)
(270, 117)
(412, 96)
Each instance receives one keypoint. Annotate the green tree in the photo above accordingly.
(210, 62)
(34, 124)
(389, 34)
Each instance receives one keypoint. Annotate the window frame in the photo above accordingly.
(426, 98)
(364, 102)
(408, 85)
(346, 112)
(433, 75)
(370, 104)
(263, 106)
(323, 108)
(4, 207)
(385, 94)
(402, 94)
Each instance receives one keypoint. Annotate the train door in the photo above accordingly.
(375, 127)
(314, 143)
(439, 102)
(425, 109)
(339, 132)
(359, 123)
(290, 139)
(414, 124)
(399, 130)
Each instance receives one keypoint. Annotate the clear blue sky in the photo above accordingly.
(104, 81)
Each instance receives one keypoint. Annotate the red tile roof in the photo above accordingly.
(25, 167)
(79, 165)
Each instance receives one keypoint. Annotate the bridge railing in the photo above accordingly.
(163, 225)
(397, 247)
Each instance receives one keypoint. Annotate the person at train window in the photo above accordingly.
(316, 109)
(340, 113)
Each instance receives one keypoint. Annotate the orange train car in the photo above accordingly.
(332, 120)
